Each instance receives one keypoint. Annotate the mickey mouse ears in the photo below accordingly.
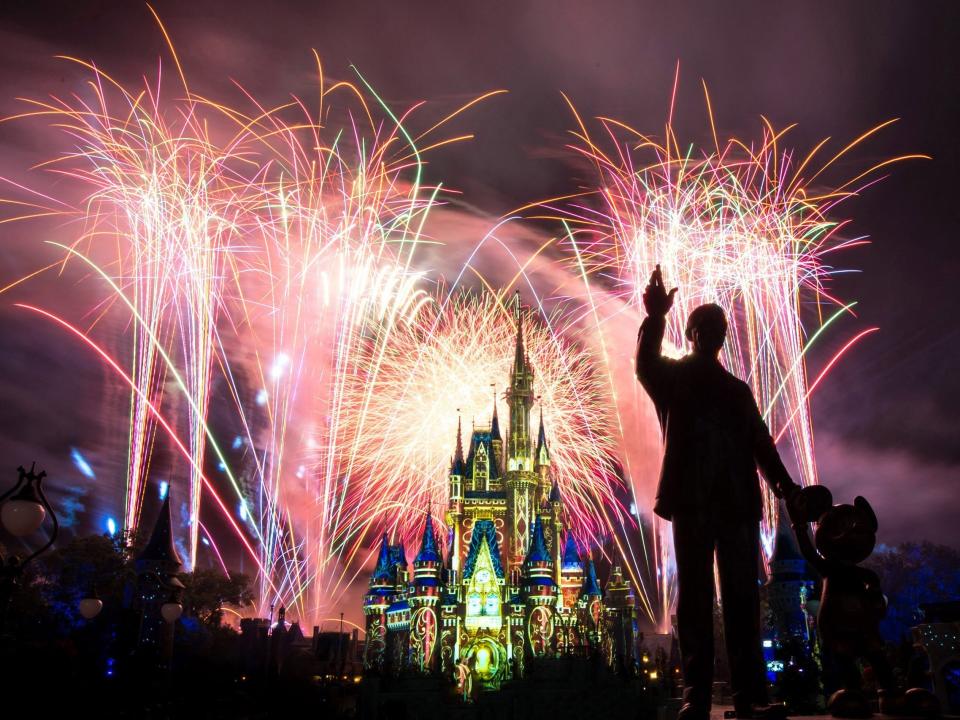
(861, 504)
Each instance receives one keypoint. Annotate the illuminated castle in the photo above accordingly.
(514, 586)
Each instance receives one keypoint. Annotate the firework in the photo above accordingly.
(158, 188)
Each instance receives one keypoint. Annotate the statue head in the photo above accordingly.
(847, 533)
(707, 329)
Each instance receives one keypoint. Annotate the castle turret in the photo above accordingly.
(538, 565)
(424, 601)
(571, 572)
(556, 529)
(426, 565)
(397, 651)
(375, 604)
(788, 583)
(540, 593)
(621, 610)
(591, 586)
(521, 480)
(590, 606)
(520, 399)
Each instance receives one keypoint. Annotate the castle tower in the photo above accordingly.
(520, 400)
(397, 652)
(571, 573)
(375, 604)
(788, 582)
(556, 530)
(540, 594)
(157, 584)
(621, 610)
(424, 601)
(590, 606)
(521, 480)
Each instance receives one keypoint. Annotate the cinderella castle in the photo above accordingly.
(514, 586)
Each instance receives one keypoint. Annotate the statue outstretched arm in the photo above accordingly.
(654, 371)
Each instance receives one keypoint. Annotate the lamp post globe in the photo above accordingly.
(90, 607)
(171, 611)
(22, 517)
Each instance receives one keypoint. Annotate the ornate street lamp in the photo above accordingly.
(24, 506)
(91, 605)
(22, 512)
(171, 610)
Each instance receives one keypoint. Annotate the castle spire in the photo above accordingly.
(571, 555)
(538, 545)
(520, 399)
(555, 492)
(457, 465)
(519, 352)
(428, 543)
(591, 586)
(161, 548)
(786, 561)
(543, 450)
(495, 421)
(381, 573)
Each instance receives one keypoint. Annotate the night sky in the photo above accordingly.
(886, 419)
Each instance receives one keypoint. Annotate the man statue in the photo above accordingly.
(714, 441)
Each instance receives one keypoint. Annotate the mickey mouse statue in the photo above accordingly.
(852, 604)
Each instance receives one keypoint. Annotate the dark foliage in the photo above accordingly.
(912, 574)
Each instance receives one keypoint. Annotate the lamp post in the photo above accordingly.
(23, 509)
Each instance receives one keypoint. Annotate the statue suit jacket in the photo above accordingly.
(714, 435)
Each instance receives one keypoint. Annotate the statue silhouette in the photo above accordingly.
(714, 441)
(851, 604)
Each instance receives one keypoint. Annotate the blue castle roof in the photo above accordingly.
(484, 531)
(397, 556)
(398, 606)
(428, 544)
(538, 552)
(571, 556)
(591, 586)
(383, 570)
(555, 492)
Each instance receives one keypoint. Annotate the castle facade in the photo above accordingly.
(513, 585)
